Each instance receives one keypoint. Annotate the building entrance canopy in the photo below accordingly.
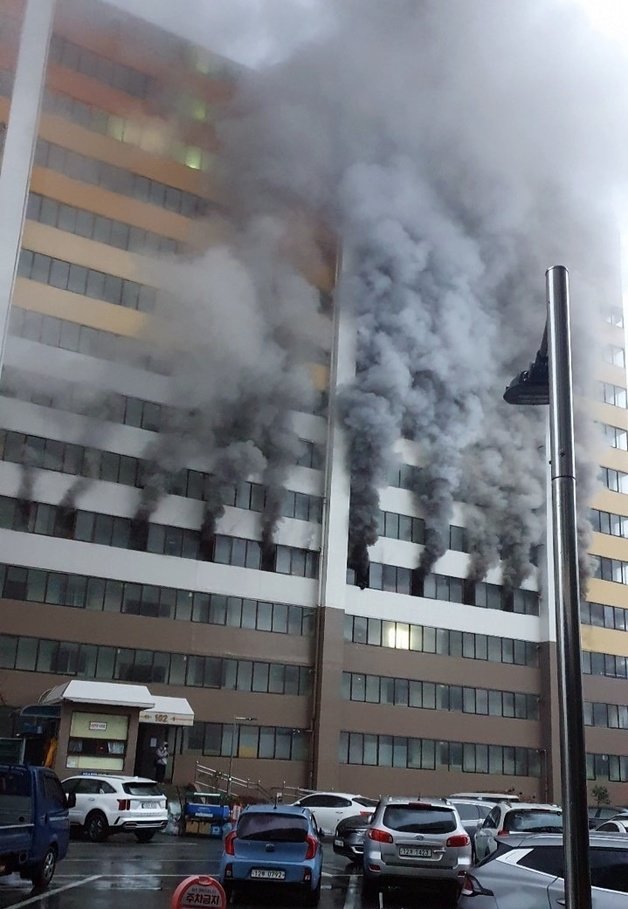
(153, 708)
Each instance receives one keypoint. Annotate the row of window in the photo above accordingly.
(609, 569)
(67, 457)
(132, 132)
(118, 180)
(376, 689)
(82, 339)
(396, 579)
(604, 616)
(607, 522)
(404, 476)
(446, 642)
(96, 227)
(68, 396)
(117, 75)
(279, 743)
(86, 281)
(124, 533)
(412, 530)
(607, 664)
(91, 661)
(428, 754)
(34, 585)
(615, 480)
(612, 394)
(614, 355)
(615, 437)
(611, 716)
(613, 767)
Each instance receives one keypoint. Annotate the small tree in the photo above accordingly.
(601, 796)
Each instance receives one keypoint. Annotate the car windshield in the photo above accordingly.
(533, 821)
(359, 820)
(279, 828)
(143, 789)
(419, 819)
(467, 812)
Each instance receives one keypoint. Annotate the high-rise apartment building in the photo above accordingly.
(293, 672)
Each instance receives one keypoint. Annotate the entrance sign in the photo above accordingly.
(199, 890)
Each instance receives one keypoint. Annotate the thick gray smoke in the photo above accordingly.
(459, 152)
(239, 325)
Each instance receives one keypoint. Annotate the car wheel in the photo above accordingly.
(144, 836)
(44, 872)
(451, 896)
(313, 897)
(96, 827)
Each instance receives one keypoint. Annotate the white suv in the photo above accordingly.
(109, 804)
(519, 817)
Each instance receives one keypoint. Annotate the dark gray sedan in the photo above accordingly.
(349, 836)
(528, 870)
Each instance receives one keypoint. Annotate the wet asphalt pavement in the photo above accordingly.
(125, 874)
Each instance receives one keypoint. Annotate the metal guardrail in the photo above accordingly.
(213, 780)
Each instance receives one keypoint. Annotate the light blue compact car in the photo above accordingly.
(273, 846)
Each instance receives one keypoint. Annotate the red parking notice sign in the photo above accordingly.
(199, 890)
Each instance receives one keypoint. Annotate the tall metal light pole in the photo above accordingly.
(531, 388)
(234, 728)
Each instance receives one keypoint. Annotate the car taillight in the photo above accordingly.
(503, 832)
(460, 839)
(312, 846)
(229, 847)
(380, 836)
(472, 887)
(124, 804)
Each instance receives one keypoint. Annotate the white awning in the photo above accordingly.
(169, 712)
(110, 693)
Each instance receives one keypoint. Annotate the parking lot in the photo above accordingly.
(129, 875)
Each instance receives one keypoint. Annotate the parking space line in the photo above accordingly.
(47, 893)
(352, 894)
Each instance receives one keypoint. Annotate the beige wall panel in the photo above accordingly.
(615, 502)
(75, 308)
(608, 413)
(605, 544)
(94, 145)
(607, 592)
(72, 248)
(111, 205)
(604, 640)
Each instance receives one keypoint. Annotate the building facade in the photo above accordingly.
(295, 674)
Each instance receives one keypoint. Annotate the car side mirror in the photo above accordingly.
(70, 800)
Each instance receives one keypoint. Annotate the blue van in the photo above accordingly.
(34, 822)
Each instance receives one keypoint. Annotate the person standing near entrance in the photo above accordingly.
(161, 761)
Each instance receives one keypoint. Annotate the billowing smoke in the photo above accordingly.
(459, 152)
(238, 325)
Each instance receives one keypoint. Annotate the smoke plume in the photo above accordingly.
(458, 153)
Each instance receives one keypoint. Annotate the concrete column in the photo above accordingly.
(19, 146)
(326, 713)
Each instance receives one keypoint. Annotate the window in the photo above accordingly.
(612, 394)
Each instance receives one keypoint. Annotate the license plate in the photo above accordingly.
(268, 874)
(151, 806)
(338, 843)
(415, 851)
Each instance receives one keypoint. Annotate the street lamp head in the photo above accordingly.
(531, 386)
